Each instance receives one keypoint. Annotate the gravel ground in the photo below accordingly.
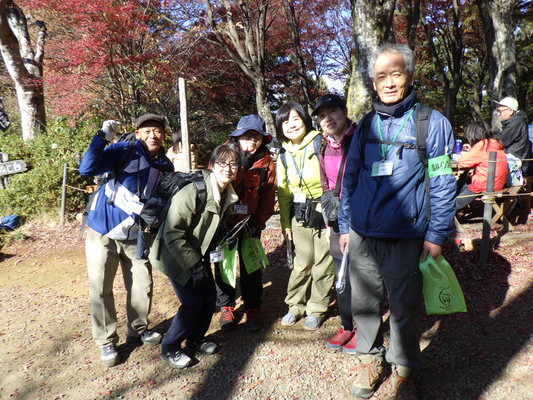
(47, 352)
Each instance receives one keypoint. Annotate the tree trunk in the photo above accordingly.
(372, 21)
(246, 49)
(293, 23)
(24, 66)
(412, 14)
(500, 43)
(453, 65)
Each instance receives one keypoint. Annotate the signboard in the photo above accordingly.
(12, 167)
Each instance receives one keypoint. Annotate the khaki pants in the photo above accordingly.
(313, 266)
(103, 257)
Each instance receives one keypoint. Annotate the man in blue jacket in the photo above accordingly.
(383, 219)
(113, 228)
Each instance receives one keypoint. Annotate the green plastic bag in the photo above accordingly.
(228, 266)
(442, 292)
(253, 254)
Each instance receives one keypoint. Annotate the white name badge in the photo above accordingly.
(382, 168)
(240, 209)
(216, 256)
(299, 198)
(135, 207)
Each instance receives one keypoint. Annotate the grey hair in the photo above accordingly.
(394, 48)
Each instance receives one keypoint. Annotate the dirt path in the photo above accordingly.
(47, 352)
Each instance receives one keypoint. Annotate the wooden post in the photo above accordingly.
(185, 142)
(487, 211)
(64, 193)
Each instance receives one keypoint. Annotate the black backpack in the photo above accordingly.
(156, 207)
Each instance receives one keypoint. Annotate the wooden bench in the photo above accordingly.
(505, 202)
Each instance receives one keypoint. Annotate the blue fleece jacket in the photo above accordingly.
(395, 206)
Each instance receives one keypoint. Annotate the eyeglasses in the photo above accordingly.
(147, 131)
(223, 164)
(502, 110)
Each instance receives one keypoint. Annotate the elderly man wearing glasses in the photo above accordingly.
(514, 130)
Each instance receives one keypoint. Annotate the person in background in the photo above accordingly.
(298, 180)
(113, 227)
(255, 185)
(481, 144)
(338, 130)
(176, 155)
(182, 249)
(385, 222)
(514, 134)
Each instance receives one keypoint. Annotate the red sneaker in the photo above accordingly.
(349, 347)
(340, 339)
(227, 319)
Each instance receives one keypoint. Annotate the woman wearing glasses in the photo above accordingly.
(256, 186)
(182, 250)
(299, 192)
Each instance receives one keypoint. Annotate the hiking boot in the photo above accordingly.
(349, 348)
(312, 323)
(146, 337)
(403, 387)
(176, 360)
(254, 321)
(203, 347)
(340, 339)
(109, 355)
(369, 374)
(227, 319)
(288, 320)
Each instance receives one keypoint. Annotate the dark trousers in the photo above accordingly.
(251, 287)
(344, 299)
(391, 263)
(194, 315)
(464, 197)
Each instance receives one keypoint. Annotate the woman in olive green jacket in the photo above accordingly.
(181, 251)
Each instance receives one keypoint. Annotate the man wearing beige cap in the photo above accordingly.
(514, 130)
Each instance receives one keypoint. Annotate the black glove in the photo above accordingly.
(231, 242)
(198, 275)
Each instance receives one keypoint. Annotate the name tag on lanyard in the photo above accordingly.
(382, 168)
(216, 256)
(240, 209)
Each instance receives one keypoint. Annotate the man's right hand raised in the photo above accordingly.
(109, 128)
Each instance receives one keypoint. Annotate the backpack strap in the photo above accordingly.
(337, 189)
(422, 117)
(423, 114)
(317, 141)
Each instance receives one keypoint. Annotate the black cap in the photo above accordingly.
(150, 117)
(329, 100)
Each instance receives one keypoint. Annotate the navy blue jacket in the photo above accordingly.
(118, 218)
(395, 206)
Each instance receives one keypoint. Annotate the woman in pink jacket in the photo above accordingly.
(338, 131)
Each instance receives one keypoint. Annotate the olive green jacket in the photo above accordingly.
(184, 238)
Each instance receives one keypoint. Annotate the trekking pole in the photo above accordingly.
(64, 193)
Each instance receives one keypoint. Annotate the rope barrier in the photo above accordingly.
(75, 188)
